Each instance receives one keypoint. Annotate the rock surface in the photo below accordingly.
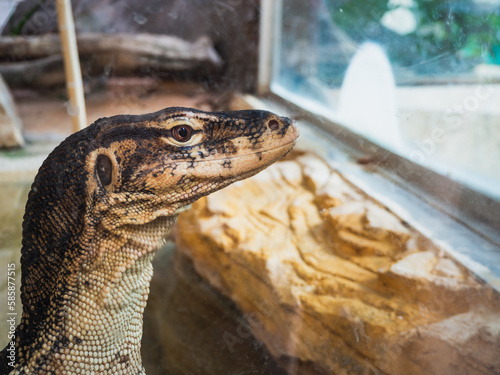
(333, 282)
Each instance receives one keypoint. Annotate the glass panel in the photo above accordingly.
(417, 77)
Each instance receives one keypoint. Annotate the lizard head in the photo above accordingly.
(101, 205)
(144, 167)
(115, 187)
(131, 170)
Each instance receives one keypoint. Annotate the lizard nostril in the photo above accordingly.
(273, 125)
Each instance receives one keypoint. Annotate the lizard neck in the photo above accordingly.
(99, 327)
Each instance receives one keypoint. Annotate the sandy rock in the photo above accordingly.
(336, 281)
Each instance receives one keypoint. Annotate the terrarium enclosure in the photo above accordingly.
(372, 248)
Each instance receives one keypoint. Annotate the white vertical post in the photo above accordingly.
(76, 108)
(266, 36)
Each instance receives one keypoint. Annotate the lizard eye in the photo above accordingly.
(104, 169)
(182, 133)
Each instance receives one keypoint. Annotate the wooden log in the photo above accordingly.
(42, 72)
(25, 61)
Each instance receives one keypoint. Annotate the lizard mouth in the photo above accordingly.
(248, 150)
(258, 153)
(289, 145)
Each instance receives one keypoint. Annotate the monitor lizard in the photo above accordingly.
(101, 204)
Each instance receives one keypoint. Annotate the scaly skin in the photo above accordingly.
(101, 205)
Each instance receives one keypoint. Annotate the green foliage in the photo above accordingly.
(463, 29)
(357, 15)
